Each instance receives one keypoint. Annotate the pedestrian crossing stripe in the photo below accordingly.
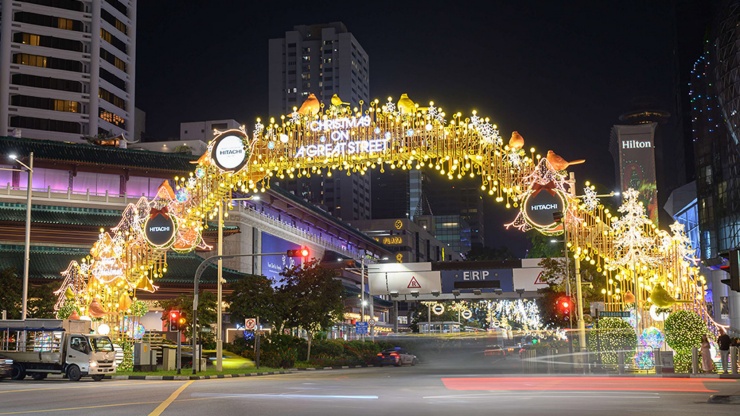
(413, 284)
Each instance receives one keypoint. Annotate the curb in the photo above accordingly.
(196, 377)
(336, 367)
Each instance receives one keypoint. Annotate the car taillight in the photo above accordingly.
(380, 354)
(394, 354)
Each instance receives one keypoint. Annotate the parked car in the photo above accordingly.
(395, 356)
(494, 349)
(229, 360)
(6, 366)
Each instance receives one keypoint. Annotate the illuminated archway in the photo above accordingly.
(315, 140)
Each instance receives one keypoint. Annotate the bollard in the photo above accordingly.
(620, 362)
(656, 359)
(694, 360)
(733, 359)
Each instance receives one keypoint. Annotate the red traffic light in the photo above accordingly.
(302, 252)
(174, 315)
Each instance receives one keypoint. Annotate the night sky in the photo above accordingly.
(559, 72)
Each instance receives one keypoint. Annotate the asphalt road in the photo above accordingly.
(430, 388)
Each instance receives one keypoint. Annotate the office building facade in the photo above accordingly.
(323, 60)
(67, 69)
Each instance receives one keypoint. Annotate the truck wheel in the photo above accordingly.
(38, 376)
(17, 372)
(98, 377)
(74, 373)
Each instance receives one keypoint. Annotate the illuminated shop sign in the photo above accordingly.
(394, 240)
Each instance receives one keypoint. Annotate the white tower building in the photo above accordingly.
(67, 68)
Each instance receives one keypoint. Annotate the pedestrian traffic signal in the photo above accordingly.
(732, 266)
(301, 252)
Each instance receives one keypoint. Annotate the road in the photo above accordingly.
(426, 389)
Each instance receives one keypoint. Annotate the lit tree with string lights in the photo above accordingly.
(634, 249)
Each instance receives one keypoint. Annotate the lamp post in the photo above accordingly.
(27, 249)
(198, 272)
(219, 284)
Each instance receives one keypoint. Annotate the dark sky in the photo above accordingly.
(559, 72)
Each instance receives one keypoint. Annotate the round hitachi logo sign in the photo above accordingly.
(540, 206)
(230, 151)
(160, 229)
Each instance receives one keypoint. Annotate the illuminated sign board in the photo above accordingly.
(393, 240)
(272, 266)
(635, 149)
(336, 138)
(229, 151)
(160, 228)
(540, 205)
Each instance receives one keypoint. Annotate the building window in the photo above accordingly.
(112, 98)
(45, 124)
(46, 82)
(114, 119)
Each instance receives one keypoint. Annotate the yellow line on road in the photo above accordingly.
(158, 411)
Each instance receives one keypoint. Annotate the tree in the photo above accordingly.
(206, 315)
(11, 293)
(542, 245)
(490, 253)
(41, 300)
(316, 297)
(252, 296)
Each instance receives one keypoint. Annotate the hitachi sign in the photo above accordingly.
(230, 152)
(636, 144)
(155, 229)
(540, 207)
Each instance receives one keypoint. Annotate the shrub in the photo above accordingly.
(683, 331)
(613, 335)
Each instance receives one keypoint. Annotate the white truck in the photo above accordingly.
(39, 347)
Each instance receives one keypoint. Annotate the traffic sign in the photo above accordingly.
(250, 324)
(361, 328)
(467, 314)
(614, 314)
(371, 322)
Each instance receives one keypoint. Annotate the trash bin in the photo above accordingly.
(169, 358)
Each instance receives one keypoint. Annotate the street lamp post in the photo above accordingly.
(27, 249)
(199, 271)
(219, 284)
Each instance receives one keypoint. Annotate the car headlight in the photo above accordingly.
(93, 364)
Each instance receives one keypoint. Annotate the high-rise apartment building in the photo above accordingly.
(323, 60)
(67, 68)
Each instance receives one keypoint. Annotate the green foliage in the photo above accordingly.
(613, 335)
(41, 300)
(128, 355)
(280, 351)
(11, 293)
(253, 296)
(139, 308)
(542, 247)
(683, 331)
(65, 311)
(314, 296)
(206, 315)
(490, 253)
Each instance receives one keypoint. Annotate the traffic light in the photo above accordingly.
(301, 252)
(174, 320)
(732, 267)
(565, 306)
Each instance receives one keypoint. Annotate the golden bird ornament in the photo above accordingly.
(629, 297)
(310, 107)
(662, 299)
(558, 163)
(405, 105)
(517, 141)
(96, 309)
(336, 101)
